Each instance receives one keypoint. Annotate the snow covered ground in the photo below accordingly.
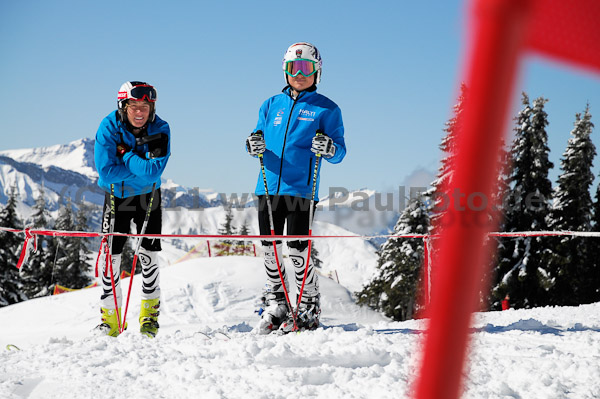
(540, 353)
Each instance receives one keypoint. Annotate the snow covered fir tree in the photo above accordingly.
(52, 260)
(574, 279)
(227, 228)
(60, 260)
(522, 270)
(534, 271)
(395, 288)
(11, 285)
(447, 146)
(594, 248)
(437, 197)
(246, 246)
(37, 272)
(79, 268)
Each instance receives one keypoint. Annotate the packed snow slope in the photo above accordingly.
(539, 353)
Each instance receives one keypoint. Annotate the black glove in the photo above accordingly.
(255, 144)
(158, 144)
(122, 148)
(322, 144)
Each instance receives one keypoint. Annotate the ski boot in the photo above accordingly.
(274, 313)
(110, 323)
(307, 317)
(149, 317)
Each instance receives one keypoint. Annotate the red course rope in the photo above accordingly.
(32, 234)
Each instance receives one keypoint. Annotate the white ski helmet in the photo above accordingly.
(302, 51)
(136, 91)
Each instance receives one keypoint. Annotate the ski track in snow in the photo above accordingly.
(544, 353)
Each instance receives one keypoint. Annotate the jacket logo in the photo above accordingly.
(279, 117)
(305, 115)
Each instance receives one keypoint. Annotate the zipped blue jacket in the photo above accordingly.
(131, 174)
(289, 126)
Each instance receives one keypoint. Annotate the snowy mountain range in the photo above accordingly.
(68, 171)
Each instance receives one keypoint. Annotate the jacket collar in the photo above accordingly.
(288, 91)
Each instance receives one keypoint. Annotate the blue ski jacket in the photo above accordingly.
(289, 126)
(132, 174)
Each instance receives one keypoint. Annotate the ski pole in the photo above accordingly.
(137, 250)
(111, 230)
(271, 225)
(310, 219)
(111, 227)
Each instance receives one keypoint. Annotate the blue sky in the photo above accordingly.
(393, 67)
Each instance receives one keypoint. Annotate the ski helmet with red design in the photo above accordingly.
(136, 91)
(302, 58)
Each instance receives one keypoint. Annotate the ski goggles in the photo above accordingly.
(295, 67)
(140, 93)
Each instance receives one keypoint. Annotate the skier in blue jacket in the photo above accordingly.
(289, 146)
(131, 152)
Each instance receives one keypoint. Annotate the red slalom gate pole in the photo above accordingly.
(426, 272)
(498, 43)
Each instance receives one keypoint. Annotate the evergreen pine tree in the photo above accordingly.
(437, 195)
(394, 290)
(70, 269)
(521, 270)
(244, 231)
(502, 190)
(594, 249)
(489, 299)
(227, 228)
(570, 264)
(444, 178)
(11, 287)
(81, 246)
(37, 271)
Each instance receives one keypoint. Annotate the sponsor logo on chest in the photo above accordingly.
(279, 117)
(305, 115)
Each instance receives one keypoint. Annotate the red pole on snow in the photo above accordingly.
(208, 246)
(426, 273)
(498, 41)
(502, 30)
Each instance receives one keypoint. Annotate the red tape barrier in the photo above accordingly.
(32, 234)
